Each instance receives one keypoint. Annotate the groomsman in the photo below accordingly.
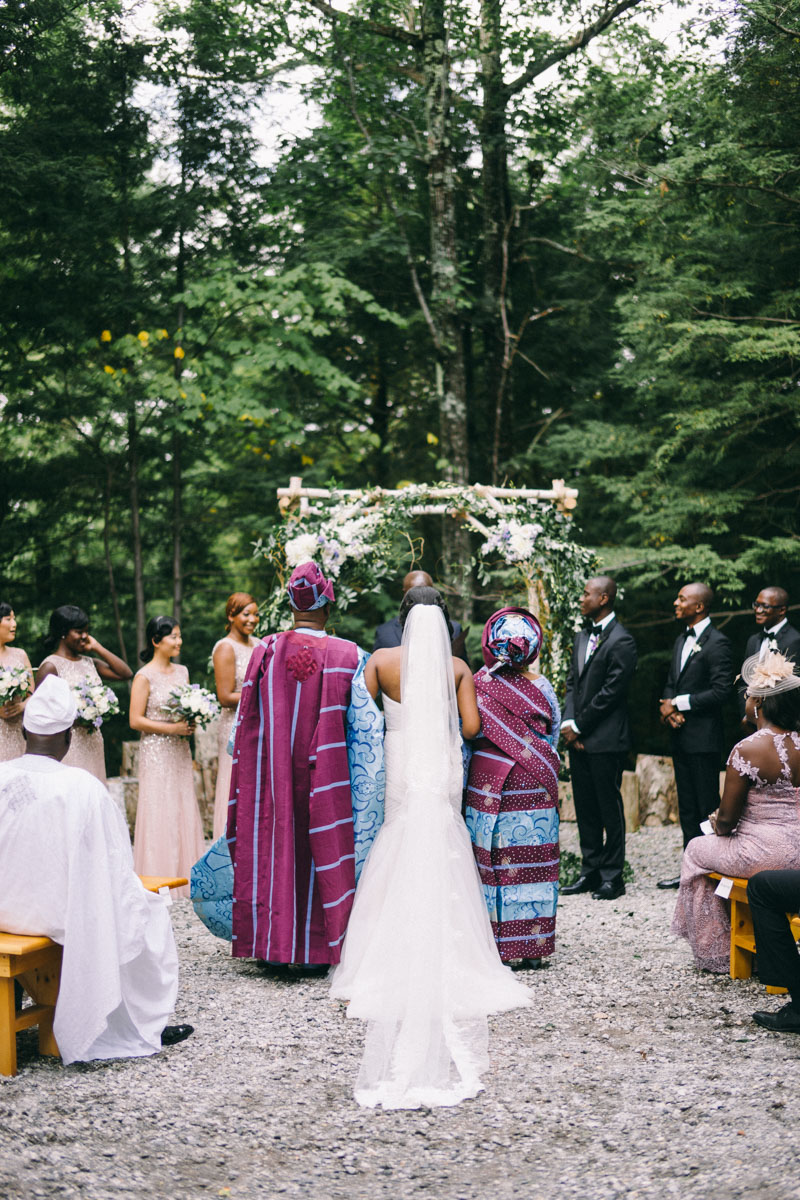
(774, 631)
(595, 729)
(700, 680)
(769, 608)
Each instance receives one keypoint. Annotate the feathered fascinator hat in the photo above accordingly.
(769, 675)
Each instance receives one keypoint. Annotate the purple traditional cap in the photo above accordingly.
(308, 588)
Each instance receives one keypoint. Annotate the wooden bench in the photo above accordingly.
(35, 963)
(743, 940)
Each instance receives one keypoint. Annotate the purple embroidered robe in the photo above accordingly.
(290, 820)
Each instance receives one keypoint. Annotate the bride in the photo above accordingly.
(419, 961)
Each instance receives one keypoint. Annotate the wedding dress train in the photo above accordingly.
(419, 962)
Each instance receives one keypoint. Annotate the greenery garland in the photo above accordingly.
(529, 553)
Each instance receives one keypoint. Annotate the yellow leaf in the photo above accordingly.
(162, 333)
(109, 370)
(105, 336)
(432, 439)
(143, 336)
(178, 352)
(306, 461)
(183, 396)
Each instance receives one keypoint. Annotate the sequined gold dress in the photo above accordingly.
(87, 749)
(168, 837)
(241, 655)
(12, 743)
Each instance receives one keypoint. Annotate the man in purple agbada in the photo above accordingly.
(290, 820)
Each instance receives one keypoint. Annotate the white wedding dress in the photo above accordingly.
(419, 961)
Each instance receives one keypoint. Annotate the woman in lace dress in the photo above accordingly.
(69, 645)
(12, 743)
(168, 838)
(230, 657)
(419, 962)
(757, 825)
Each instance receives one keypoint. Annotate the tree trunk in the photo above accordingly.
(112, 585)
(136, 533)
(494, 175)
(177, 522)
(451, 380)
(380, 419)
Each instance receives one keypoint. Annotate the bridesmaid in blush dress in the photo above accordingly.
(168, 838)
(12, 743)
(69, 644)
(230, 656)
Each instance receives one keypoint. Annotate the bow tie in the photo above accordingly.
(767, 633)
(690, 632)
(596, 630)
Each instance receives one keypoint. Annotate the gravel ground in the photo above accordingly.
(633, 1076)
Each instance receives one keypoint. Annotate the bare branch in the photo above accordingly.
(394, 33)
(764, 320)
(564, 249)
(792, 33)
(565, 49)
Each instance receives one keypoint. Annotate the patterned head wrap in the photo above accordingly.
(511, 637)
(308, 588)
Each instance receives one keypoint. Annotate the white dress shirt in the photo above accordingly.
(590, 649)
(683, 702)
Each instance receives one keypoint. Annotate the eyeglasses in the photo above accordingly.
(759, 607)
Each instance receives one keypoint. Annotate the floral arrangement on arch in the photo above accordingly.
(528, 553)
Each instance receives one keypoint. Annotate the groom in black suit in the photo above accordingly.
(699, 683)
(390, 633)
(595, 729)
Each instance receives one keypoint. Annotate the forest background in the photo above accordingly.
(497, 241)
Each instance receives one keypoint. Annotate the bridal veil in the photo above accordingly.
(419, 962)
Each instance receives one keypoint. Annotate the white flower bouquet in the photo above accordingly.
(14, 684)
(95, 703)
(192, 703)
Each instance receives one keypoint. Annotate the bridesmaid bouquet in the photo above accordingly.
(192, 703)
(95, 703)
(14, 684)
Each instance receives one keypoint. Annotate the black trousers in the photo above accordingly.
(697, 781)
(598, 807)
(773, 894)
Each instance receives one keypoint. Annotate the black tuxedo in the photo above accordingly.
(596, 700)
(788, 643)
(707, 678)
(787, 639)
(391, 634)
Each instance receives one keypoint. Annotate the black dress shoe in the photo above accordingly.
(610, 890)
(665, 884)
(172, 1034)
(584, 883)
(785, 1020)
(527, 964)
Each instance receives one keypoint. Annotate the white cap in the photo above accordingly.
(52, 707)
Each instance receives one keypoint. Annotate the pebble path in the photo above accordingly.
(633, 1076)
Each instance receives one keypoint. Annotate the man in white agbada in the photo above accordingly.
(66, 871)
